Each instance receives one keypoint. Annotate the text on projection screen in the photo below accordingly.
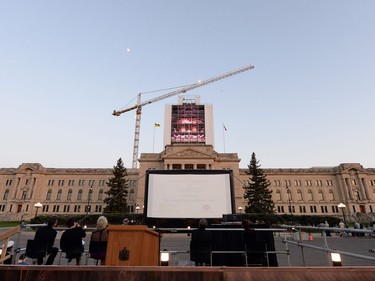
(189, 196)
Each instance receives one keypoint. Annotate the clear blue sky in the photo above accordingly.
(65, 66)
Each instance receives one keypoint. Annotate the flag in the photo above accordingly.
(224, 127)
(157, 125)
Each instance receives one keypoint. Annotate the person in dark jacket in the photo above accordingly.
(48, 234)
(71, 241)
(202, 239)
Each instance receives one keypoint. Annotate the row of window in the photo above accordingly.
(309, 196)
(73, 182)
(299, 182)
(302, 209)
(314, 209)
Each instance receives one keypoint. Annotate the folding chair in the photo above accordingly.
(36, 250)
(72, 253)
(97, 250)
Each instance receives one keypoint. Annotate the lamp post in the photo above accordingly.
(342, 207)
(88, 201)
(240, 209)
(137, 208)
(289, 200)
(37, 206)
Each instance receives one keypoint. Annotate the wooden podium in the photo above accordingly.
(132, 245)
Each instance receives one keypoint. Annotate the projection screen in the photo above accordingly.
(188, 194)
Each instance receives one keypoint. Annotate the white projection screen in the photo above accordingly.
(188, 194)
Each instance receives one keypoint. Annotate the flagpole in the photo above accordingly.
(224, 137)
(153, 141)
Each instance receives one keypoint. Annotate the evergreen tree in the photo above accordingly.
(256, 192)
(117, 195)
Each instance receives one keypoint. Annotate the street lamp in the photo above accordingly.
(289, 200)
(37, 206)
(137, 208)
(342, 207)
(240, 209)
(88, 201)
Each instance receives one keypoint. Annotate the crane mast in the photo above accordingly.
(140, 104)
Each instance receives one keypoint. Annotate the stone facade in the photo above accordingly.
(317, 190)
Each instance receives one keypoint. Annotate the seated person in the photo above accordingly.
(9, 251)
(200, 245)
(99, 237)
(47, 234)
(22, 260)
(71, 241)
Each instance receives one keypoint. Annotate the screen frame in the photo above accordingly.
(179, 220)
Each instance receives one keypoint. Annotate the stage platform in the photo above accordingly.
(111, 273)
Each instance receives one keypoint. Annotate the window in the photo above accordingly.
(335, 209)
(60, 183)
(49, 193)
(56, 208)
(66, 208)
(101, 182)
(308, 182)
(24, 195)
(320, 193)
(331, 196)
(79, 196)
(45, 208)
(354, 182)
(8, 182)
(90, 195)
(201, 167)
(287, 183)
(81, 182)
(298, 183)
(58, 197)
(319, 183)
(77, 208)
(27, 181)
(100, 195)
(70, 182)
(51, 182)
(69, 196)
(313, 209)
(278, 195)
(329, 183)
(176, 167)
(98, 208)
(280, 209)
(310, 195)
(91, 182)
(6, 194)
(277, 183)
(302, 209)
(299, 195)
(189, 167)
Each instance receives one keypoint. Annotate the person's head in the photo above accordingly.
(246, 224)
(203, 223)
(70, 223)
(52, 222)
(22, 257)
(102, 222)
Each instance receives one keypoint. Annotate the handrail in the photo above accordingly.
(5, 237)
(325, 247)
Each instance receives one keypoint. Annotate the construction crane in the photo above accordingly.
(138, 106)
